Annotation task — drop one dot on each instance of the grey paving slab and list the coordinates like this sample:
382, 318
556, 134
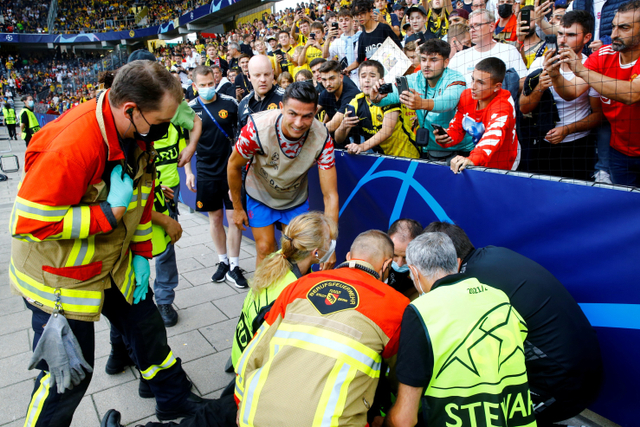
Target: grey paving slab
103, 344
85, 415
101, 381
202, 293
15, 343
15, 322
232, 305
199, 277
125, 399
195, 239
208, 373
220, 335
13, 369
196, 317
14, 401
188, 264
16, 423
190, 346
12, 303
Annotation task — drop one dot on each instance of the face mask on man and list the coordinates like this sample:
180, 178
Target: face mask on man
505, 10
30, 104
207, 93
398, 268
155, 132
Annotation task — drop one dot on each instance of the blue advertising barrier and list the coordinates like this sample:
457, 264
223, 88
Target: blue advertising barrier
587, 237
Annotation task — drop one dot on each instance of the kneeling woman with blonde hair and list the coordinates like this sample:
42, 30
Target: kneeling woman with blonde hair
308, 239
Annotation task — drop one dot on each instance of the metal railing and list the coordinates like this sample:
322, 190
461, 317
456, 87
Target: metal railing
53, 14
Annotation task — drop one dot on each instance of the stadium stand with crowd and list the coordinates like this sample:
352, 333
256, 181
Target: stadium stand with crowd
539, 87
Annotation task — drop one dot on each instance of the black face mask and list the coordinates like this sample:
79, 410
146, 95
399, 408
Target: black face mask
155, 133
465, 47
505, 10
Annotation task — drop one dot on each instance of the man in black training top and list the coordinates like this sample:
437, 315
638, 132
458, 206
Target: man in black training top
219, 115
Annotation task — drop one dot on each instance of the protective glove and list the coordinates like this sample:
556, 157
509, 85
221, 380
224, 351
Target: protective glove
52, 349
121, 189
77, 364
142, 272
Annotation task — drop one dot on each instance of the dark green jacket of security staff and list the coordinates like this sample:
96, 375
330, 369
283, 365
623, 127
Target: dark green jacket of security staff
477, 339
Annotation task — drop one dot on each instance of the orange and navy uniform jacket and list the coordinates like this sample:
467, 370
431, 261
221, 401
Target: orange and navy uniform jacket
60, 164
498, 147
316, 360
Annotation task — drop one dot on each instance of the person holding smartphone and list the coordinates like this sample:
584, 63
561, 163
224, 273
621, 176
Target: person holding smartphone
433, 93
486, 112
381, 127
345, 48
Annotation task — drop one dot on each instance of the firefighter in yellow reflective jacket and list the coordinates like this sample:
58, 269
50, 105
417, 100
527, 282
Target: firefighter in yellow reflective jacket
317, 358
81, 228
461, 347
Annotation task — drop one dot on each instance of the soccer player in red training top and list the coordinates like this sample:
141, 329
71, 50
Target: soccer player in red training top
487, 113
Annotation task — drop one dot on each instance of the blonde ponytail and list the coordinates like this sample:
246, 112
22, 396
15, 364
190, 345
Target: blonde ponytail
304, 233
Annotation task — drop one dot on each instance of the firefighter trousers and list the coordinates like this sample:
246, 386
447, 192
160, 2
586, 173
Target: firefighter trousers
143, 331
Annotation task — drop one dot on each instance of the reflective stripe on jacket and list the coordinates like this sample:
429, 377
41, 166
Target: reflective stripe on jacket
64, 247
316, 359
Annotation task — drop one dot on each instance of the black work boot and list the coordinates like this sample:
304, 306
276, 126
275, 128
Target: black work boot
118, 359
111, 419
169, 315
188, 407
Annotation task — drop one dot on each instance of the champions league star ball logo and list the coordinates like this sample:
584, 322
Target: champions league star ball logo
9, 38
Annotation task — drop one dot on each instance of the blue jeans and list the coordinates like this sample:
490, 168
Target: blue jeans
166, 267
625, 170
603, 138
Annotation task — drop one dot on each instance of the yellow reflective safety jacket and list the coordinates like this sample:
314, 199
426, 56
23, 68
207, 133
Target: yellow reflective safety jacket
479, 375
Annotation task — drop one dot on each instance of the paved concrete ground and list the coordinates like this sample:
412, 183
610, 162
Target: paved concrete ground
202, 338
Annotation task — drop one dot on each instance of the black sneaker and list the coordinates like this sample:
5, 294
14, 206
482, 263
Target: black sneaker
237, 277
223, 269
169, 315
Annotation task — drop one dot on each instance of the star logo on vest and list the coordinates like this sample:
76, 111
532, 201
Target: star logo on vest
223, 114
331, 296
272, 106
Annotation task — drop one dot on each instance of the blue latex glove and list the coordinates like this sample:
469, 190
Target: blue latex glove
142, 272
121, 190
473, 128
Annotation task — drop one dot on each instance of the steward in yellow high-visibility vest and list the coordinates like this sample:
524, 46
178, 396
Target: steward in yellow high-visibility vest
461, 347
9, 115
28, 122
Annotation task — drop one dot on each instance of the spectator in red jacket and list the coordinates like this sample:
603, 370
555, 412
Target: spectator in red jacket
487, 113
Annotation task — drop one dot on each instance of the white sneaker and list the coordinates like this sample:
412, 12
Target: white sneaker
603, 177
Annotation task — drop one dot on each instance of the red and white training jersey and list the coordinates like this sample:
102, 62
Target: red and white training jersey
498, 148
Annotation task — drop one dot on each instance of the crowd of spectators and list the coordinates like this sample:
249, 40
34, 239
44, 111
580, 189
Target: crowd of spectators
23, 16
552, 132
57, 81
